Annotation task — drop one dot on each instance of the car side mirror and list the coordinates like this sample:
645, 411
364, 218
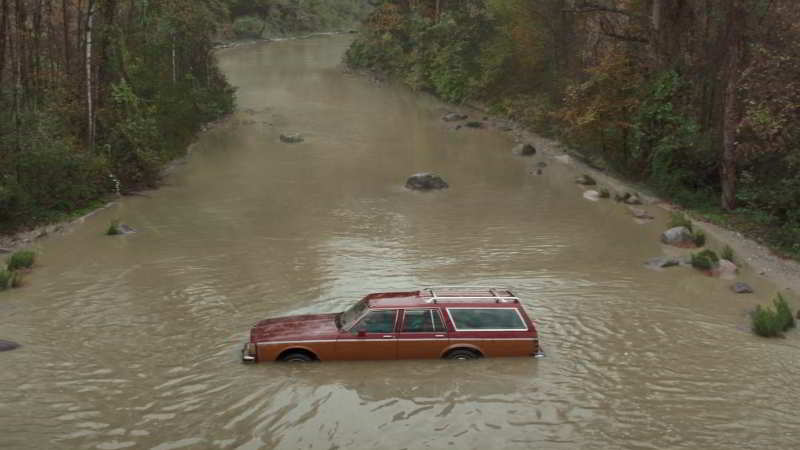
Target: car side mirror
362, 333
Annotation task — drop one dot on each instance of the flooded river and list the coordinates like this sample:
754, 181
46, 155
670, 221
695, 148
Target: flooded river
132, 341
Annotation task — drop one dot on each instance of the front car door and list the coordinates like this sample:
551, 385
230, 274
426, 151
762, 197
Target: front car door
422, 334
372, 337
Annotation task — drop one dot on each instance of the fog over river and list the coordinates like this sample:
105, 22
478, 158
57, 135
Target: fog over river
133, 341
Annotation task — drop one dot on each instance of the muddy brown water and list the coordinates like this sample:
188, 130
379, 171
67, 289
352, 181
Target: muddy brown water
132, 341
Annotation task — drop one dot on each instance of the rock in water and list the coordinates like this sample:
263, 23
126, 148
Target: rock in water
292, 138
640, 213
474, 124
126, 229
524, 150
585, 180
425, 182
741, 288
591, 195
662, 262
678, 236
7, 345
633, 199
454, 117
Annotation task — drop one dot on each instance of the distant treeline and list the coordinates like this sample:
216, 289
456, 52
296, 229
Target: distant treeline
272, 18
698, 98
96, 95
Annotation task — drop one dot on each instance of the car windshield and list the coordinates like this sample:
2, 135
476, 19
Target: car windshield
347, 318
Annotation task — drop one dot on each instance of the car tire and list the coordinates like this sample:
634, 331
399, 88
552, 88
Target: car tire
296, 357
462, 354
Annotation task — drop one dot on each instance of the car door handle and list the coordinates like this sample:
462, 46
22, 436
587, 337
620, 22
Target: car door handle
438, 335
387, 336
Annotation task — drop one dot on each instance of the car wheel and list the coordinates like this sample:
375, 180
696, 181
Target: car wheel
462, 354
297, 357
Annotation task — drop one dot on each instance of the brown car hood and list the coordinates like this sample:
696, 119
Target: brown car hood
291, 328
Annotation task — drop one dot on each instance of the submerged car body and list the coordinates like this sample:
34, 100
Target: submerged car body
445, 322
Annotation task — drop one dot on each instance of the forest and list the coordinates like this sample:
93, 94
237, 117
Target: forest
97, 95
699, 100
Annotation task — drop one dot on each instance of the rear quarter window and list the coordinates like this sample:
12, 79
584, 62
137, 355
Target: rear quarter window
486, 319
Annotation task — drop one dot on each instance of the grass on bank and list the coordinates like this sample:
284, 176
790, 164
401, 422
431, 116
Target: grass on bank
22, 259
769, 322
11, 275
113, 228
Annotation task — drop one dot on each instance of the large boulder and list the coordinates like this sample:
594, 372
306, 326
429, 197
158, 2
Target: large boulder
454, 117
7, 345
291, 138
524, 150
591, 195
425, 182
633, 199
678, 236
725, 269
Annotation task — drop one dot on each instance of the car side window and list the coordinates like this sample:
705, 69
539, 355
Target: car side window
486, 319
381, 321
422, 320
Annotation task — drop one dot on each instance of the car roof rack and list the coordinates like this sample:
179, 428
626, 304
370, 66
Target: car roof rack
457, 294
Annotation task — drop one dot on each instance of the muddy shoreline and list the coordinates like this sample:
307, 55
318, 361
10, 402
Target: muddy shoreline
784, 273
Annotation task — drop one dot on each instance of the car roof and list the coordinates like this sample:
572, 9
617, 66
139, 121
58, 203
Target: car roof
443, 295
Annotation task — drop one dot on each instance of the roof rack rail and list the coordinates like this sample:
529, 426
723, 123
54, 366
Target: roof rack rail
454, 294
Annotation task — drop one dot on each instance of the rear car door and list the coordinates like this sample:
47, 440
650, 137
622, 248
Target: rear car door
372, 337
422, 334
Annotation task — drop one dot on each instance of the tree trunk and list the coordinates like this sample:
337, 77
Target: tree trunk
65, 18
89, 100
731, 111
3, 33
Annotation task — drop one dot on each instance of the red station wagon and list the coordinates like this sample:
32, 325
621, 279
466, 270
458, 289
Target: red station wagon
442, 322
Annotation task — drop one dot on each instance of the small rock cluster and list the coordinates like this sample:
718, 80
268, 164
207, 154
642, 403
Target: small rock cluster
426, 181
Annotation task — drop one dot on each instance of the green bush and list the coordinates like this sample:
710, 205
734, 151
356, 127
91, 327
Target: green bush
6, 278
705, 260
699, 238
679, 219
113, 228
727, 253
248, 27
768, 322
22, 259
16, 279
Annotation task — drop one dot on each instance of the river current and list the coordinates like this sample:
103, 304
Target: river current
132, 341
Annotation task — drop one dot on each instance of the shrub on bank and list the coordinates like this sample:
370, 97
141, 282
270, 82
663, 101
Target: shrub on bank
22, 259
768, 322
678, 219
727, 253
705, 260
113, 228
699, 238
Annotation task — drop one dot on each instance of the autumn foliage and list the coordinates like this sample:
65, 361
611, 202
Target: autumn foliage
699, 99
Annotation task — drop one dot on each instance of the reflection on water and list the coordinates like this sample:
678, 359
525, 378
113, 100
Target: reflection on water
132, 342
